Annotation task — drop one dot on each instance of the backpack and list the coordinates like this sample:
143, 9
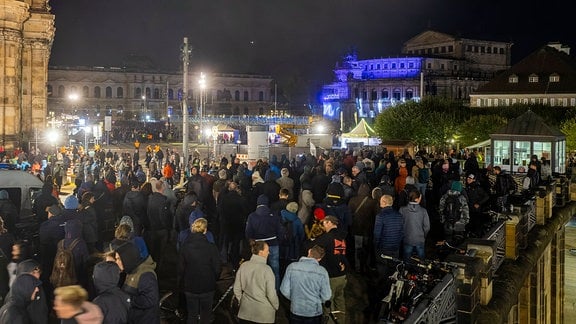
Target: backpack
452, 209
287, 233
511, 185
64, 269
423, 175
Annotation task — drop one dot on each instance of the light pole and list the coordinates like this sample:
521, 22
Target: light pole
86, 131
202, 83
144, 109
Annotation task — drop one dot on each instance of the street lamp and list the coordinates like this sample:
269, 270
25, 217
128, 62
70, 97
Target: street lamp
202, 83
86, 131
144, 110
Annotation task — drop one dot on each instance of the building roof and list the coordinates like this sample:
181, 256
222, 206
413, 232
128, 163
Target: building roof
528, 124
543, 63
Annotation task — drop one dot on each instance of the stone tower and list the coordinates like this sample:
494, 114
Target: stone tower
26, 35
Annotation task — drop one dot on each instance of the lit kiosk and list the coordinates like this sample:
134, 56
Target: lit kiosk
527, 135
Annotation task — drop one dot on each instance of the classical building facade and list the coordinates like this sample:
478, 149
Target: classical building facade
26, 36
91, 93
547, 76
432, 64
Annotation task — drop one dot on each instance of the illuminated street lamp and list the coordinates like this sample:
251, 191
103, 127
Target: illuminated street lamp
145, 111
86, 131
202, 83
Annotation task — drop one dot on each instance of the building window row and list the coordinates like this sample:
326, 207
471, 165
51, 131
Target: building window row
484, 49
495, 102
386, 66
148, 93
533, 78
384, 94
433, 50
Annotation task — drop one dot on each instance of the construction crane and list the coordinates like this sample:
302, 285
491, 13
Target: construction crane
287, 130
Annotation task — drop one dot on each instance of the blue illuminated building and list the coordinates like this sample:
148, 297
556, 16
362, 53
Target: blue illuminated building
431, 64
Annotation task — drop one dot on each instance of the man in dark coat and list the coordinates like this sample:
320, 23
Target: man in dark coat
233, 212
44, 200
320, 183
113, 302
160, 222
8, 211
135, 205
50, 233
199, 268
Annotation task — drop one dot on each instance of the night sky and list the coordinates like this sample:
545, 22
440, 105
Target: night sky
295, 41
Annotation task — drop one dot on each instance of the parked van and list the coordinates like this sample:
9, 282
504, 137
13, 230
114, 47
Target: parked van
22, 188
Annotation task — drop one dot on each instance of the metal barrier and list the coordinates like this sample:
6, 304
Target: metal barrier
440, 306
498, 234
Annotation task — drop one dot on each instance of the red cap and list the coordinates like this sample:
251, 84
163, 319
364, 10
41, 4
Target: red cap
319, 213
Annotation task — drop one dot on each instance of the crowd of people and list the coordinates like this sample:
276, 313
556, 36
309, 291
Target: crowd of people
292, 230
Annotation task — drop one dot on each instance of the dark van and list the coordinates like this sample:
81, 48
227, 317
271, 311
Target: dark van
22, 188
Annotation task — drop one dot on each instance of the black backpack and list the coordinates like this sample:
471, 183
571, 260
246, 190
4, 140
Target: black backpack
511, 185
452, 209
287, 233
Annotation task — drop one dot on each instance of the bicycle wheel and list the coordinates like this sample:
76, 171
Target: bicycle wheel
170, 311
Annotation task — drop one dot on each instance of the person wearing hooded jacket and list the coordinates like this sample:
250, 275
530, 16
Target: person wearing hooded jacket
113, 302
23, 292
43, 201
141, 284
73, 232
263, 225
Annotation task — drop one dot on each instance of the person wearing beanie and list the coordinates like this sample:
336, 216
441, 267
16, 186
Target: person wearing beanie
219, 184
141, 284
113, 302
24, 291
263, 225
71, 202
305, 203
294, 229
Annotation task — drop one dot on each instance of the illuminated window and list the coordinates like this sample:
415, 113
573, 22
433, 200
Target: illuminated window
393, 65
513, 78
533, 78
554, 77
